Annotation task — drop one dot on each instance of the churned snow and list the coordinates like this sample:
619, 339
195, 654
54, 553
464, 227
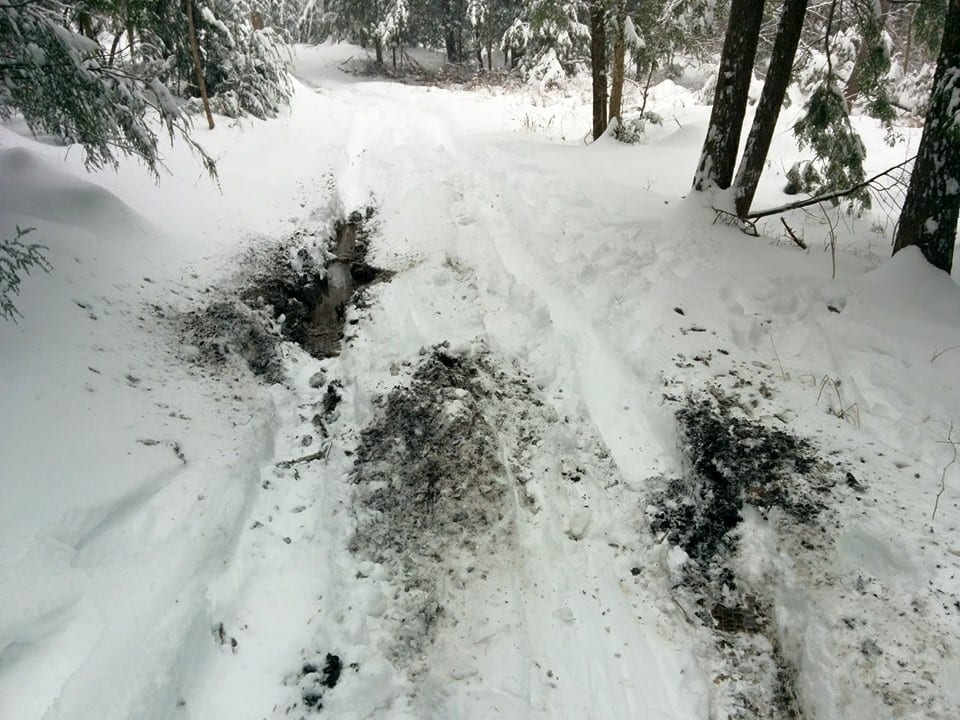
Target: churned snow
161, 557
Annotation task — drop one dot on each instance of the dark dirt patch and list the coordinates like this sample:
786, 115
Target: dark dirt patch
310, 303
228, 328
438, 473
429, 479
294, 291
315, 680
731, 461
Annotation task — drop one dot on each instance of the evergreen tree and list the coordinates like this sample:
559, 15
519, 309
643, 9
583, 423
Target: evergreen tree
62, 83
932, 205
243, 67
549, 38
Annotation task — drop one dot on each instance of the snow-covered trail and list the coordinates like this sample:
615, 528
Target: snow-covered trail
164, 563
578, 635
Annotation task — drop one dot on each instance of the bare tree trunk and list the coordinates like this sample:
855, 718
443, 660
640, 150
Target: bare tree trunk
908, 50
195, 50
478, 42
719, 154
932, 205
852, 89
768, 109
489, 47
378, 49
619, 50
128, 19
598, 62
113, 48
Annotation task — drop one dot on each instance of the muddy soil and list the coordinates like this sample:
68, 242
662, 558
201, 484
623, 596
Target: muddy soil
298, 290
347, 274
731, 462
430, 482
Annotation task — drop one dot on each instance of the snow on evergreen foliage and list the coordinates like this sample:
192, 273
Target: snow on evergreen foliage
244, 67
550, 39
62, 84
17, 259
838, 150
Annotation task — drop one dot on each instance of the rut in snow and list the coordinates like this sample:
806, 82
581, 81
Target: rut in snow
296, 290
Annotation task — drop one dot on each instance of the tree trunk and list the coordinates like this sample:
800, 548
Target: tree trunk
195, 50
489, 47
619, 50
598, 63
378, 48
128, 19
771, 100
113, 48
852, 88
719, 154
908, 50
932, 206
450, 35
477, 39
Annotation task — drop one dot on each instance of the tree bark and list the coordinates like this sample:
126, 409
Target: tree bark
598, 63
450, 34
932, 205
478, 41
852, 88
195, 50
908, 50
771, 100
719, 154
128, 20
619, 50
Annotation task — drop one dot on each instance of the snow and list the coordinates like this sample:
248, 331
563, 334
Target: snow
157, 562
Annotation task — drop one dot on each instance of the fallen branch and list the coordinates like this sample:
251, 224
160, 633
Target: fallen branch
835, 195
319, 455
793, 236
938, 353
943, 475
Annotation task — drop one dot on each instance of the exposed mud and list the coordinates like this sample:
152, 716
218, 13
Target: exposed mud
309, 302
430, 481
347, 273
730, 463
297, 290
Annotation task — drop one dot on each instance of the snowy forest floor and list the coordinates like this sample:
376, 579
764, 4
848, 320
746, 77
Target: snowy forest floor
582, 452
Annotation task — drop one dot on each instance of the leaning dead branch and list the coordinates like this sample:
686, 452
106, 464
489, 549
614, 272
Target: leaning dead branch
828, 197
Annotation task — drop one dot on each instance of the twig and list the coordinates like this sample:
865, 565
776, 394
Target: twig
938, 353
793, 236
783, 374
319, 455
745, 225
943, 475
677, 603
841, 412
833, 242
